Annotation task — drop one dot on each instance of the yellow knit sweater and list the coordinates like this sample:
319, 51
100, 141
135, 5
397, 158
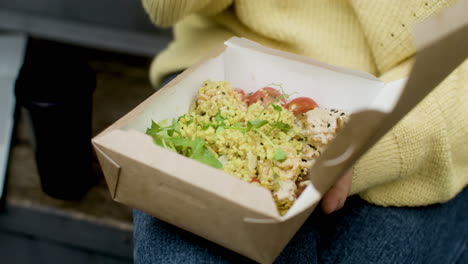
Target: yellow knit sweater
424, 158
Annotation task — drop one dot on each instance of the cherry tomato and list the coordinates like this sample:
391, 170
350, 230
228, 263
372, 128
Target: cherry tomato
265, 95
255, 180
244, 96
301, 105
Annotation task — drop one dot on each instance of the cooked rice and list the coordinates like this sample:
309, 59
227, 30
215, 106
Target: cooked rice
248, 155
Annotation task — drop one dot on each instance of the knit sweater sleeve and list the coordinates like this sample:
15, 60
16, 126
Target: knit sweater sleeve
422, 160
166, 13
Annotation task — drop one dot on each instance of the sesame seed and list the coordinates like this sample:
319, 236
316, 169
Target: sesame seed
312, 146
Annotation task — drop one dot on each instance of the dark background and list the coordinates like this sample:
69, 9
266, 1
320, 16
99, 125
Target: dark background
117, 40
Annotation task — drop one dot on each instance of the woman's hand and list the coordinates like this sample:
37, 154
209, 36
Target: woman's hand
335, 198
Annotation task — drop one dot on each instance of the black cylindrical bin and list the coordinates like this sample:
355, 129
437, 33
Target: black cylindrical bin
55, 86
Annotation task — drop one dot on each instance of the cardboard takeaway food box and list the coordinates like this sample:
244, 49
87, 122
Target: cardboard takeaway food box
233, 213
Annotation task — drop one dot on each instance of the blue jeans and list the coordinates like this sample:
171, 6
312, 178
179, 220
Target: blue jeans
358, 233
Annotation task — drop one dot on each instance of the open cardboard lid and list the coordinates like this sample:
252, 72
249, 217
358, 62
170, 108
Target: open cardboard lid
376, 107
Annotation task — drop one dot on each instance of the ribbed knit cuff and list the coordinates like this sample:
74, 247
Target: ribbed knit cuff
381, 164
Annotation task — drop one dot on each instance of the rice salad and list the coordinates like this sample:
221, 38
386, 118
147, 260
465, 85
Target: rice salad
262, 140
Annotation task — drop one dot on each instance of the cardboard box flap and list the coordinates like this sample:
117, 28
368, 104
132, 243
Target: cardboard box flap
345, 149
140, 147
245, 44
109, 167
450, 21
389, 96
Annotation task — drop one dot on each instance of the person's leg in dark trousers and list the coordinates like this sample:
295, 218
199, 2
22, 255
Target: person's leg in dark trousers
358, 233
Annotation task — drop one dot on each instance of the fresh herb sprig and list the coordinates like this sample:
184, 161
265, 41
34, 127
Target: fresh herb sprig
283, 95
273, 102
278, 124
165, 136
